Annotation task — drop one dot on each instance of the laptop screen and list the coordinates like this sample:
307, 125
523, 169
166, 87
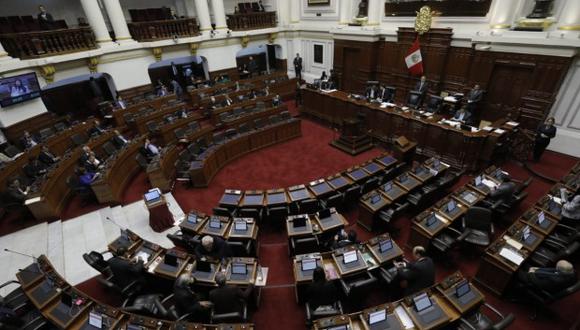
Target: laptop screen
239, 268
526, 232
378, 316
240, 225
375, 198
403, 177
96, 320
170, 259
308, 264
436, 162
451, 206
192, 218
152, 195
215, 223
462, 288
350, 256
431, 219
385, 245
324, 213
422, 302
388, 186
299, 222
478, 180
541, 218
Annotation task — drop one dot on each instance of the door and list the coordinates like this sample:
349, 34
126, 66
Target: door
507, 85
348, 81
272, 57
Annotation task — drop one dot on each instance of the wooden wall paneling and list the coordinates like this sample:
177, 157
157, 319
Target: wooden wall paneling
355, 63
33, 125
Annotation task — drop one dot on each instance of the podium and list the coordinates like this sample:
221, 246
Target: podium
160, 218
352, 138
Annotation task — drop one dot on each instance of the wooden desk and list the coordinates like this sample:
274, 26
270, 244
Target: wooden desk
277, 197
194, 222
160, 218
333, 222
369, 206
293, 231
407, 181
338, 182
350, 268
357, 174
251, 231
224, 224
253, 198
373, 168
320, 188
299, 193
231, 198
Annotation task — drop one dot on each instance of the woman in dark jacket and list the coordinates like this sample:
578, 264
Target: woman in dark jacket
545, 132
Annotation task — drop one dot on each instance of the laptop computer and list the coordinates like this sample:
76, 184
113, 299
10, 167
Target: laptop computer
215, 223
324, 213
152, 196
431, 220
385, 245
170, 259
375, 198
349, 257
240, 225
202, 266
425, 308
451, 207
541, 221
527, 236
308, 265
299, 222
192, 218
239, 271
387, 186
403, 177
96, 320
378, 320
463, 292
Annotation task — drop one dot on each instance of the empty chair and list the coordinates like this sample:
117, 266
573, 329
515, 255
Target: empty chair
202, 143
180, 133
231, 133
60, 126
357, 285
482, 321
308, 206
389, 95
334, 200
477, 226
250, 212
109, 148
224, 212
194, 126
259, 123
79, 139
244, 128
129, 118
97, 262
370, 185
238, 111
149, 305
218, 138
351, 195
152, 127
260, 105
274, 119
46, 133
277, 214
224, 116
434, 104
303, 245
414, 99
194, 150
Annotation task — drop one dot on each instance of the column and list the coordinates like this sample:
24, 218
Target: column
219, 14
295, 11
189, 8
345, 12
202, 11
283, 9
118, 22
503, 14
96, 21
570, 18
375, 12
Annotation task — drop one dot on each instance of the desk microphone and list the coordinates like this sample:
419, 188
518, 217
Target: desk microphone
116, 224
22, 254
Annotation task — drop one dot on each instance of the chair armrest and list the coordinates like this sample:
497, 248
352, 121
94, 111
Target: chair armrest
8, 283
493, 309
550, 240
467, 324
106, 282
308, 313
129, 288
184, 317
166, 299
563, 226
162, 310
455, 230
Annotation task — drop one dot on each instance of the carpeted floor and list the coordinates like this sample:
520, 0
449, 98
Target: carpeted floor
308, 158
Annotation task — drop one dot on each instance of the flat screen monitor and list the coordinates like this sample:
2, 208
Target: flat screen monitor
239, 268
403, 177
324, 213
299, 222
375, 198
414, 98
66, 299
431, 219
308, 264
18, 89
152, 196
377, 317
385, 245
241, 225
422, 302
192, 218
436, 163
541, 217
451, 205
387, 186
478, 180
170, 259
215, 223
202, 266
350, 256
462, 288
526, 232
96, 320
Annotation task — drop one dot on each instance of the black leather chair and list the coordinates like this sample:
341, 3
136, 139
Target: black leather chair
231, 133
322, 311
370, 184
148, 305
303, 245
18, 312
308, 206
477, 226
98, 263
335, 200
434, 104
194, 126
219, 138
242, 248
357, 285
86, 194
250, 212
142, 161
351, 195
541, 299
244, 128
109, 148
224, 212
482, 321
152, 127
232, 317
277, 214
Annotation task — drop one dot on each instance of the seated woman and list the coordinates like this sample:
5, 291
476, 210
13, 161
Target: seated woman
321, 292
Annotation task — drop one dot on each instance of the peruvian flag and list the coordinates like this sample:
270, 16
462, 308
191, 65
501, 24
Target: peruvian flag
413, 59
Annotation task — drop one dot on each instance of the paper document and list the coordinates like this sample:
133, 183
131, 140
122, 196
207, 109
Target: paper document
499, 131
511, 256
143, 255
32, 200
263, 279
450, 99
512, 123
404, 317
489, 183
515, 244
487, 128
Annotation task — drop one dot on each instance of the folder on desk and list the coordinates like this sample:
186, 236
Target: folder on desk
511, 256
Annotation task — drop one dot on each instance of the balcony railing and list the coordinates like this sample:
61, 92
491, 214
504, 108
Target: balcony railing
26, 45
252, 21
166, 29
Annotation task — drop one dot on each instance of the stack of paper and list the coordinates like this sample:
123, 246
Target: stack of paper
499, 131
404, 317
511, 256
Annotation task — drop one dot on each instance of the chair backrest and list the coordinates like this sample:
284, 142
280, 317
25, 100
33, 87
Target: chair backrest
142, 161
478, 218
60, 126
218, 137
109, 148
413, 100
434, 103
194, 126
278, 211
351, 194
334, 200
179, 132
305, 245
231, 132
46, 133
221, 211
193, 149
244, 128
79, 139
259, 123
285, 115
274, 119
308, 206
151, 126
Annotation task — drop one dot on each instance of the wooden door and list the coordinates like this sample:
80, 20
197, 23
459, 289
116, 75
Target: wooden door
507, 85
349, 69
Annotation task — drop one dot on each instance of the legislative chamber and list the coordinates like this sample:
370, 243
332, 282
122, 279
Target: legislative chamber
313, 164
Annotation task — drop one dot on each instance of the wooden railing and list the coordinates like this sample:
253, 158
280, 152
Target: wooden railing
45, 43
443, 7
166, 29
251, 21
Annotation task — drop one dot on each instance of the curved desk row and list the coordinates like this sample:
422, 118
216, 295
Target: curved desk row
155, 103
445, 307
462, 149
49, 293
213, 159
50, 199
246, 103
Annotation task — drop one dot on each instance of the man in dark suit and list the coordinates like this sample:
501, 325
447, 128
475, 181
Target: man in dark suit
422, 87
252, 66
463, 116
474, 97
149, 149
17, 191
45, 19
97, 129
320, 292
28, 141
119, 140
298, 66
343, 239
228, 298
47, 157
504, 191
419, 274
34, 168
126, 271
85, 155
549, 279
213, 247
188, 302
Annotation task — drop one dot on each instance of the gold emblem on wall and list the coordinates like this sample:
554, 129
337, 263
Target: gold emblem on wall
157, 53
193, 47
47, 72
423, 20
272, 37
245, 40
92, 63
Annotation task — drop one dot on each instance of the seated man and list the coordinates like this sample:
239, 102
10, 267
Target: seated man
549, 279
85, 154
17, 192
92, 164
34, 168
86, 178
276, 101
149, 149
422, 87
228, 298
119, 139
213, 247
343, 239
504, 191
187, 301
126, 271
97, 129
321, 292
463, 116
28, 141
419, 274
571, 210
47, 157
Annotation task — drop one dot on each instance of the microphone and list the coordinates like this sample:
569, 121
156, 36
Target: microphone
22, 254
116, 224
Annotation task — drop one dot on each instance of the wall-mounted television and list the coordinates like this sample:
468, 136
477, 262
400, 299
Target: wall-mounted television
18, 89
